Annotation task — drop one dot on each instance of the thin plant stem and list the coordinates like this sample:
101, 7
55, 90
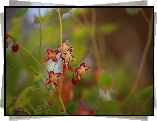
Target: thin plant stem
30, 55
42, 90
59, 95
33, 69
41, 40
28, 62
55, 64
143, 60
147, 108
26, 110
144, 15
93, 39
9, 68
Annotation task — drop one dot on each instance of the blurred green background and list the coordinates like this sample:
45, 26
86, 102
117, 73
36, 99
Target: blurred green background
113, 52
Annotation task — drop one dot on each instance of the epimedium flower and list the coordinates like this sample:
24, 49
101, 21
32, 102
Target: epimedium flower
67, 58
64, 47
81, 70
51, 55
53, 77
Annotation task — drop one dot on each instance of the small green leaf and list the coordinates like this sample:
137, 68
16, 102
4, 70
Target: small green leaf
132, 11
105, 80
40, 110
90, 97
108, 28
65, 10
9, 100
108, 108
24, 97
11, 110
55, 108
38, 77
146, 94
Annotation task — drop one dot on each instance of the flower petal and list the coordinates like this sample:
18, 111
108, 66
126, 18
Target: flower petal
48, 81
49, 51
78, 76
58, 74
82, 64
51, 73
46, 59
65, 41
86, 68
56, 51
56, 82
54, 59
76, 70
70, 50
69, 67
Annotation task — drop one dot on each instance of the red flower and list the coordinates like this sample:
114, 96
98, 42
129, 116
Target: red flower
51, 55
53, 77
81, 70
64, 47
67, 57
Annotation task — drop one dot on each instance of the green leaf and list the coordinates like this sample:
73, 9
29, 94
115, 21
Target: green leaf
146, 94
11, 109
108, 108
38, 77
24, 97
90, 97
40, 110
132, 11
55, 108
108, 28
9, 100
65, 10
20, 15
105, 80
71, 106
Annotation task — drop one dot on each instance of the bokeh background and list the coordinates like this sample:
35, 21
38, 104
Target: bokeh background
109, 40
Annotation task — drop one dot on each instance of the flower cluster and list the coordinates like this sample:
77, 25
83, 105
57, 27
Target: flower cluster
66, 55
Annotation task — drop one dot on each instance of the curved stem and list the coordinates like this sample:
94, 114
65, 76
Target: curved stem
26, 110
55, 64
42, 90
144, 15
147, 108
143, 59
33, 69
41, 39
9, 69
30, 55
94, 43
59, 95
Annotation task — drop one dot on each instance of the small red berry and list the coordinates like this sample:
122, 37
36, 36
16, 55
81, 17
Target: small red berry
15, 47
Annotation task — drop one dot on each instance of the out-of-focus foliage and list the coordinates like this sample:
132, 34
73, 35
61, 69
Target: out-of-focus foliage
108, 28
24, 97
97, 92
146, 94
132, 11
